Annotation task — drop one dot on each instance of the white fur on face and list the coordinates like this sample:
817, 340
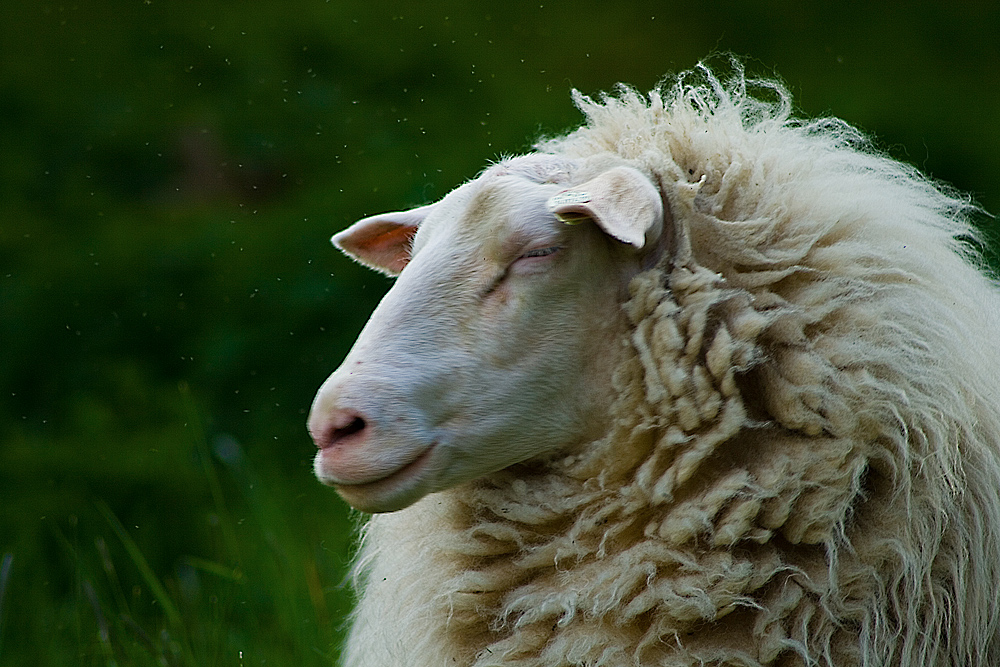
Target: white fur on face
494, 346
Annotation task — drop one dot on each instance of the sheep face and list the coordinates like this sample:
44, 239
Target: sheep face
497, 342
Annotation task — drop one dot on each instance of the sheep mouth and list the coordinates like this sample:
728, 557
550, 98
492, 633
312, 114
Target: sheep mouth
393, 491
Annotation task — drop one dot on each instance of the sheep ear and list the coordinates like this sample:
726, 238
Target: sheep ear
622, 201
382, 242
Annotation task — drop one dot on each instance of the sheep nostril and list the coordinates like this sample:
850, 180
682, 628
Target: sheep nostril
338, 426
355, 426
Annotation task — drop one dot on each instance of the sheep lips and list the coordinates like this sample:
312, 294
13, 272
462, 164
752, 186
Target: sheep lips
369, 478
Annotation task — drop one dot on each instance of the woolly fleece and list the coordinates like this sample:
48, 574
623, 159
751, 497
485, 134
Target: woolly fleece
803, 468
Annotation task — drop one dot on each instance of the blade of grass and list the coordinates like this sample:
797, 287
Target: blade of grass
159, 592
316, 593
70, 547
226, 522
156, 588
5, 570
219, 570
103, 634
112, 575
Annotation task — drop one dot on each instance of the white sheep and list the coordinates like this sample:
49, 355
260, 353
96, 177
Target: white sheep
696, 384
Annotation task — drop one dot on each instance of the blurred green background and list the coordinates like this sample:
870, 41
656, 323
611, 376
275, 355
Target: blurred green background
170, 174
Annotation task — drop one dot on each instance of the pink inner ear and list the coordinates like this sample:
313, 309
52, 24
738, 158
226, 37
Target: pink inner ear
381, 243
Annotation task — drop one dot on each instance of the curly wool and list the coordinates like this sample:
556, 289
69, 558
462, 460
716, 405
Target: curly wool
804, 466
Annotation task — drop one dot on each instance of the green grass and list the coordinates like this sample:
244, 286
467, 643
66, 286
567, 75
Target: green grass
267, 588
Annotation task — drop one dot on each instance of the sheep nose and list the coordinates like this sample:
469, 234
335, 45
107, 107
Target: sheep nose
337, 427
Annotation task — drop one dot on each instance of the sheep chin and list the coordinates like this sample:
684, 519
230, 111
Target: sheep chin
398, 489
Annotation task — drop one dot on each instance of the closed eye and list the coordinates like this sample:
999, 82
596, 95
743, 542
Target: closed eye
530, 264
541, 252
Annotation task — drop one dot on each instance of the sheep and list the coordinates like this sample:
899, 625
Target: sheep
697, 383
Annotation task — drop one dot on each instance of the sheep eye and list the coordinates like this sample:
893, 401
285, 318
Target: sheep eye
541, 252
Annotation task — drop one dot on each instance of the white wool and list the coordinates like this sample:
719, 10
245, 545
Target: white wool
804, 467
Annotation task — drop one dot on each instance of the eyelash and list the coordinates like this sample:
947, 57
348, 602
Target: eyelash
541, 252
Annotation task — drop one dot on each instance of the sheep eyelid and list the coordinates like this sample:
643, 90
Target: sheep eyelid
531, 254
541, 252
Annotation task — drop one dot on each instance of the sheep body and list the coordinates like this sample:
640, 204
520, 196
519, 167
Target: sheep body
803, 466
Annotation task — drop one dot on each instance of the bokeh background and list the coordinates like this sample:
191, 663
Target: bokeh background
170, 174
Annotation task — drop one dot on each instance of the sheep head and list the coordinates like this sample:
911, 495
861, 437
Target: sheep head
497, 342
